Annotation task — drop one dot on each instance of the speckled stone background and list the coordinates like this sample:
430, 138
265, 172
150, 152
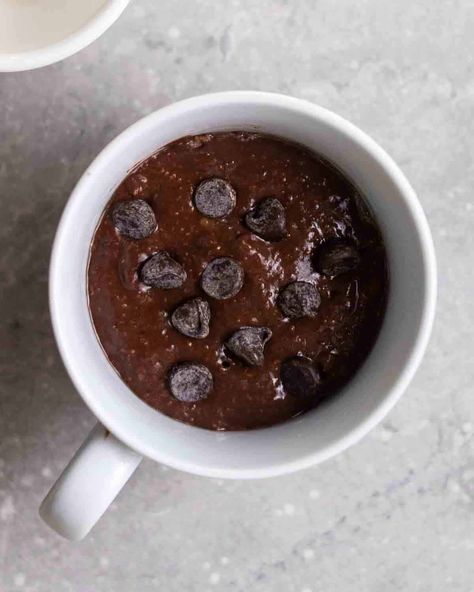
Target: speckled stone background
396, 512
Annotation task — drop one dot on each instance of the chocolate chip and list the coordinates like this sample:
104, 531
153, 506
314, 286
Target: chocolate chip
162, 271
192, 318
300, 377
215, 198
299, 299
190, 382
134, 218
222, 278
336, 256
267, 219
248, 344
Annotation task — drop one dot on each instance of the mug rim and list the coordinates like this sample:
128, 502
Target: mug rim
71, 44
416, 349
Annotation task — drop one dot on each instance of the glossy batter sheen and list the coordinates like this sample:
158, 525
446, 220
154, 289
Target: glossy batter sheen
132, 322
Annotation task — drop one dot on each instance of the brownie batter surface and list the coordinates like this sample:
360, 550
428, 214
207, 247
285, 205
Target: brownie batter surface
132, 321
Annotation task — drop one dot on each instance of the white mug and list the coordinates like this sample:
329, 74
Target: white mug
130, 429
37, 33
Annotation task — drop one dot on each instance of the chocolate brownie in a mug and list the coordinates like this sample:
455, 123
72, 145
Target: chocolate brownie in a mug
236, 280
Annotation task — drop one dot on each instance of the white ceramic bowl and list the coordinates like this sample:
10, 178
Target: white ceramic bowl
85, 34
298, 443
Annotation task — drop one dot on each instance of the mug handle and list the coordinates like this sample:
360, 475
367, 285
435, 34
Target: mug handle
89, 484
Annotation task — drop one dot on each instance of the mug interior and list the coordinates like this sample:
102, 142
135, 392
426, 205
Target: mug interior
337, 423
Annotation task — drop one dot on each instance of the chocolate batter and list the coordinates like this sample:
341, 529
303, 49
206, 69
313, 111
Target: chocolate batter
315, 207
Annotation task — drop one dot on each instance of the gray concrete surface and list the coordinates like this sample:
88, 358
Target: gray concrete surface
396, 512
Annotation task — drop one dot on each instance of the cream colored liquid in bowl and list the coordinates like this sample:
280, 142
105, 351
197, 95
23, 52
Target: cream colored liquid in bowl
27, 25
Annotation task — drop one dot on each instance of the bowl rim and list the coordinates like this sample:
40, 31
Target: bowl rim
60, 50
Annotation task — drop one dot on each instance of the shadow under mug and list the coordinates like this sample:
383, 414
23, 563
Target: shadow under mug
128, 428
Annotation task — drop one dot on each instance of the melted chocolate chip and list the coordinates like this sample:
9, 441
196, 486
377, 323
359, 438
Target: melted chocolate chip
299, 299
162, 271
336, 256
190, 382
134, 218
248, 344
192, 318
267, 219
215, 198
222, 278
300, 377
